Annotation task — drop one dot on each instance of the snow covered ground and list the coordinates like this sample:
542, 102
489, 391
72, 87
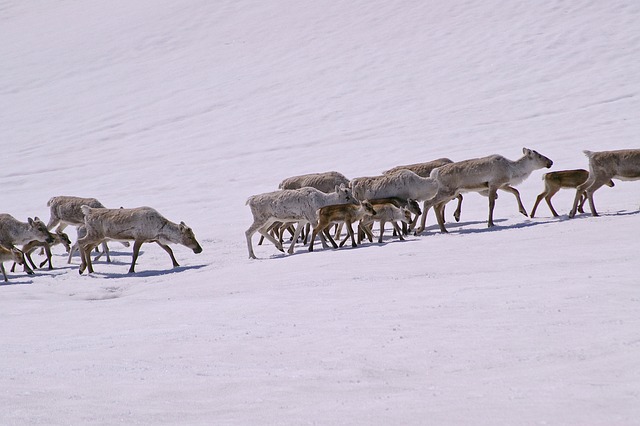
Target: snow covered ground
192, 106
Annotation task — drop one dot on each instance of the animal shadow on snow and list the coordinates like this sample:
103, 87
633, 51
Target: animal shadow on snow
14, 281
454, 226
142, 273
587, 215
304, 249
526, 224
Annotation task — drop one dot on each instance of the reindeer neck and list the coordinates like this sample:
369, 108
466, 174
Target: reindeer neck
522, 168
169, 231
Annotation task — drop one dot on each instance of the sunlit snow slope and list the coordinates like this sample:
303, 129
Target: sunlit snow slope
193, 106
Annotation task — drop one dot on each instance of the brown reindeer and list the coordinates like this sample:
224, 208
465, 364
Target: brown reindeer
553, 181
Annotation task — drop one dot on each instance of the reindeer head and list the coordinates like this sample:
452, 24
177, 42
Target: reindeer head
539, 159
40, 230
64, 240
345, 195
189, 238
413, 206
368, 208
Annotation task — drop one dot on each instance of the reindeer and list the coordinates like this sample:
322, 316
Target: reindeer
401, 184
410, 205
10, 254
290, 205
622, 164
483, 174
347, 213
140, 225
553, 181
14, 232
424, 170
385, 212
325, 182
65, 210
59, 237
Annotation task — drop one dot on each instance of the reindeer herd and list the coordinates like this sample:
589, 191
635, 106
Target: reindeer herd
317, 200
323, 199
95, 226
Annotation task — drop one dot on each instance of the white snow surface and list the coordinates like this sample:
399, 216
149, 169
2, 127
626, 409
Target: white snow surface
193, 106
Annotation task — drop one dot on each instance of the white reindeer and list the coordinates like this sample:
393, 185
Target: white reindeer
290, 205
325, 182
10, 254
483, 174
622, 164
402, 184
554, 181
14, 232
424, 170
140, 225
65, 210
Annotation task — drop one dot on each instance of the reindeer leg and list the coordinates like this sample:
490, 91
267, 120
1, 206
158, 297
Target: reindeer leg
85, 254
327, 234
535, 205
381, 231
439, 212
168, 250
492, 205
515, 192
136, 251
590, 190
548, 200
456, 214
397, 228
296, 235
579, 193
583, 200
47, 251
27, 256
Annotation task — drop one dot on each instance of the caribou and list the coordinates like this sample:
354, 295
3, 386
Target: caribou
622, 164
291, 205
554, 181
140, 225
486, 174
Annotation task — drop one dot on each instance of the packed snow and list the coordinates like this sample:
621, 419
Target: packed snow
191, 107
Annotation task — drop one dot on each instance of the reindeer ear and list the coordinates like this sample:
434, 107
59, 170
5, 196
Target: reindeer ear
526, 151
183, 226
30, 221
